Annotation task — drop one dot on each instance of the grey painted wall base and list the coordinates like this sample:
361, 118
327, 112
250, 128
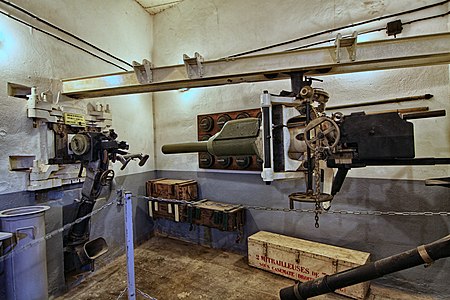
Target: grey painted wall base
201, 235
380, 235
108, 223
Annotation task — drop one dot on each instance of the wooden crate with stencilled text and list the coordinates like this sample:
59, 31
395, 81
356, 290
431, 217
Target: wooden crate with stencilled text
305, 260
176, 189
173, 189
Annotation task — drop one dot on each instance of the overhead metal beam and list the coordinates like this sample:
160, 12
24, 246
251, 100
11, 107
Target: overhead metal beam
407, 52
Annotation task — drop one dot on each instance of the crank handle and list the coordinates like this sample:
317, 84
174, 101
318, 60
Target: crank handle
125, 159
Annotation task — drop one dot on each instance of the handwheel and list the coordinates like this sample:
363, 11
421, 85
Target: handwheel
322, 132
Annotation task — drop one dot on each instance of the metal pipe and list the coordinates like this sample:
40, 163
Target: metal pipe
426, 114
400, 111
130, 246
424, 161
425, 254
30, 14
185, 147
387, 101
336, 29
61, 39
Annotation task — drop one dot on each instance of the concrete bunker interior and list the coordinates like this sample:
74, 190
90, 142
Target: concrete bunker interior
96, 94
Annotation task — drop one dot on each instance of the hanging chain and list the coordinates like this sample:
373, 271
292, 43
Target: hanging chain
318, 209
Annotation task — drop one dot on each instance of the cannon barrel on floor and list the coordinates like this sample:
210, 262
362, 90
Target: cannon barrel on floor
425, 254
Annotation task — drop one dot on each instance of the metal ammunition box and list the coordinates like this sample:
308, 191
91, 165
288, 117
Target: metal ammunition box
304, 260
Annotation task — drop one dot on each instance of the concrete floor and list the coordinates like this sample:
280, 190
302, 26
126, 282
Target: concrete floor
173, 269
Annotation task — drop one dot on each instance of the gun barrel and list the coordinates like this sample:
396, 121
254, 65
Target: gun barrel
237, 137
424, 254
424, 114
185, 147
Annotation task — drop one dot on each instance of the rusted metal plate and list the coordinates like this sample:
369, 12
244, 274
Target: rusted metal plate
304, 260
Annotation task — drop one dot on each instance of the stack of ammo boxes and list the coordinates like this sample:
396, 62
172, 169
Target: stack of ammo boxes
177, 200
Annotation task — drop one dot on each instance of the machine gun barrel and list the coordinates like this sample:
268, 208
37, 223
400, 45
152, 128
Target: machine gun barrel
425, 254
185, 147
424, 114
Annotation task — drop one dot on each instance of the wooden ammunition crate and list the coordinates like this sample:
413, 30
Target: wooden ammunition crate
164, 210
225, 217
304, 260
170, 189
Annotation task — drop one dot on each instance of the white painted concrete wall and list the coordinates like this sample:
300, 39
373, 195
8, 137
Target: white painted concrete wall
32, 58
217, 28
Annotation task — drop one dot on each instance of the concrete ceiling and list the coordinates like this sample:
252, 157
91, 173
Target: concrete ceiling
155, 6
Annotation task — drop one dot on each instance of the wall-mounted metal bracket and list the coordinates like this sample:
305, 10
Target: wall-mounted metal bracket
44, 176
347, 42
194, 65
39, 108
143, 71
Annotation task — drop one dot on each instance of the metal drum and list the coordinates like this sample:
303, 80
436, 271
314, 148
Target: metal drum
25, 265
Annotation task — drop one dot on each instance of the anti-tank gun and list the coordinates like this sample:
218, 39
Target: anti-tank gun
296, 138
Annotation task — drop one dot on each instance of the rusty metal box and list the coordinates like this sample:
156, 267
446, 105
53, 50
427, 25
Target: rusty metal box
225, 217
305, 260
172, 189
